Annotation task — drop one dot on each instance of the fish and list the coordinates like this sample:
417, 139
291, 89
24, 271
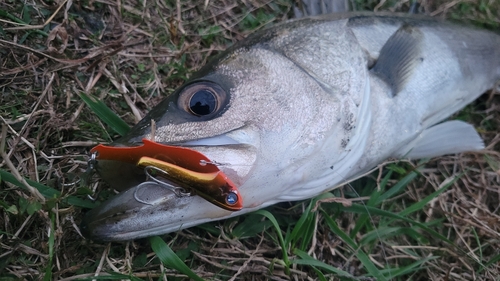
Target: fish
304, 107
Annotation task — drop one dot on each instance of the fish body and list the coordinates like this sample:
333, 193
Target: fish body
305, 106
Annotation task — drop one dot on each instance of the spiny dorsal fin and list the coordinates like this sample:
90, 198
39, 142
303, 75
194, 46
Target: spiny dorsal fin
399, 57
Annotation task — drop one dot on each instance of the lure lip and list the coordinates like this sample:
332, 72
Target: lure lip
181, 156
187, 167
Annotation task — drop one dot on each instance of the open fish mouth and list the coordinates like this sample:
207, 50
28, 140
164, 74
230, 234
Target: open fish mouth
167, 186
157, 211
179, 169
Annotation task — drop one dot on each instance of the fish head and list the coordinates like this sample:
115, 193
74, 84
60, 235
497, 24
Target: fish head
248, 114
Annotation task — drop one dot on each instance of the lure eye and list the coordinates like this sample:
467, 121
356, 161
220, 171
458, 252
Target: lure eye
232, 198
202, 99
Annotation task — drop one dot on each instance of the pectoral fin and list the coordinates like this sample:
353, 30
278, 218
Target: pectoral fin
445, 138
399, 57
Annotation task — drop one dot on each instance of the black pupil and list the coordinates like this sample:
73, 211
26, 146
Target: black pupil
202, 102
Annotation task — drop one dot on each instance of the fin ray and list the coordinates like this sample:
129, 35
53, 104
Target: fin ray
446, 138
399, 57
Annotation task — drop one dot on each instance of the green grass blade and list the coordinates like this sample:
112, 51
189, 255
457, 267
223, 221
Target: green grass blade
305, 259
250, 227
379, 233
363, 219
494, 260
278, 231
387, 232
356, 208
309, 231
20, 21
320, 274
420, 204
394, 273
46, 191
303, 229
399, 187
374, 197
170, 259
106, 114
478, 241
11, 17
111, 276
360, 254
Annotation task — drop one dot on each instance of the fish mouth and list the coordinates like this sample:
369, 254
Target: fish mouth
159, 210
149, 208
234, 152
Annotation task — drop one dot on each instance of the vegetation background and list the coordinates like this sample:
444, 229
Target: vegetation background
437, 219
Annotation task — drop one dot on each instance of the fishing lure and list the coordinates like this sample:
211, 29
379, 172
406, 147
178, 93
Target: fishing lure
188, 168
214, 187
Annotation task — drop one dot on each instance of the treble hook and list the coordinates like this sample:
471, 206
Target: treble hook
179, 191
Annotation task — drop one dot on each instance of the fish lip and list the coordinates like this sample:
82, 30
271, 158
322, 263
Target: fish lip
244, 135
105, 222
219, 140
123, 218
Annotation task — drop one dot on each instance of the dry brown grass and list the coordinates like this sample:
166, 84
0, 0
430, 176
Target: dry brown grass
131, 54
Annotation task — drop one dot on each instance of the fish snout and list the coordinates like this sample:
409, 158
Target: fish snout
130, 211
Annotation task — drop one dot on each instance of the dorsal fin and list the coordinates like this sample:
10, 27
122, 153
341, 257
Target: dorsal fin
306, 8
399, 57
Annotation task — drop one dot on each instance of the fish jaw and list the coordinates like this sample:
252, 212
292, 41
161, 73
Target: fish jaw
149, 208
185, 168
124, 218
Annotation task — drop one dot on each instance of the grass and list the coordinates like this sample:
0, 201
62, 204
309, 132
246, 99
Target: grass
430, 220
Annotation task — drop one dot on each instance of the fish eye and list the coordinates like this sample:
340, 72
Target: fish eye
202, 103
202, 98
